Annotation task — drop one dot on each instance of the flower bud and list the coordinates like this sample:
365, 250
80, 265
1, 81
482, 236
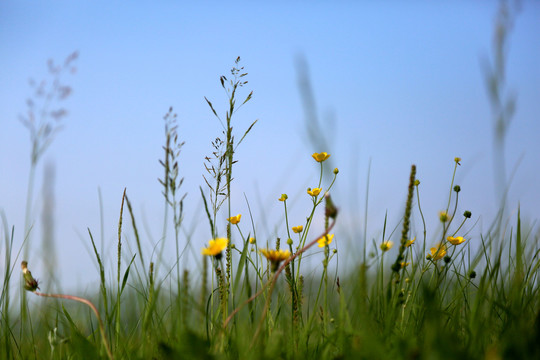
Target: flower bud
30, 284
330, 209
443, 216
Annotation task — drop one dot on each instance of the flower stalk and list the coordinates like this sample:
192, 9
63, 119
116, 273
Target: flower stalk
31, 284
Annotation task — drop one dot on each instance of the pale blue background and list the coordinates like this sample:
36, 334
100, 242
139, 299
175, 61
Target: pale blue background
399, 83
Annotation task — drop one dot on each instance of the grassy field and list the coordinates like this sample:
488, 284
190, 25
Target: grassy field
445, 301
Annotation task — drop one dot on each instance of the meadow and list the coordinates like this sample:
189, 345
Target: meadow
439, 297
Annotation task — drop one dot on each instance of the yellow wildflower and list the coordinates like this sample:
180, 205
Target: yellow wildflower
283, 197
404, 264
252, 240
314, 192
234, 219
456, 240
386, 245
457, 160
438, 252
215, 247
320, 157
443, 216
325, 240
410, 242
297, 229
275, 256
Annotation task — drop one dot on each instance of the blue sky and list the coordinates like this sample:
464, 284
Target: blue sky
394, 84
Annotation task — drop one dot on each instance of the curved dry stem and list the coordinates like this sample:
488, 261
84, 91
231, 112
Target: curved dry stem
94, 309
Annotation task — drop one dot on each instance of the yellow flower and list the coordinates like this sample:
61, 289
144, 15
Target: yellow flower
297, 229
275, 256
314, 192
386, 245
457, 160
283, 197
438, 252
325, 240
215, 247
456, 240
410, 242
404, 264
320, 157
252, 240
443, 216
234, 219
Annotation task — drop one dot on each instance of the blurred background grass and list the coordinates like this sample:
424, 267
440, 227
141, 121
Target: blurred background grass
378, 87
389, 85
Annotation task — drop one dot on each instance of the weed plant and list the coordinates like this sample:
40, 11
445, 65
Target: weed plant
445, 295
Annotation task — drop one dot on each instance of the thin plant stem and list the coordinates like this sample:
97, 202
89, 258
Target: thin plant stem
94, 309
275, 276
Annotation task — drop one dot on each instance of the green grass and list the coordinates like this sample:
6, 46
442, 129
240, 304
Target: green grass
452, 301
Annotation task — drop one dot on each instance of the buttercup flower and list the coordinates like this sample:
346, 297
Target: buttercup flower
410, 242
443, 216
215, 247
283, 197
386, 245
457, 160
275, 256
297, 229
320, 157
314, 192
438, 252
234, 219
252, 240
404, 264
325, 240
456, 240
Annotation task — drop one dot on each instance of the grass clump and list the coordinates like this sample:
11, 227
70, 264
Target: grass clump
443, 296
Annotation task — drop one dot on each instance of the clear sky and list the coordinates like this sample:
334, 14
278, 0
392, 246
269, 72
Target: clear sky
394, 84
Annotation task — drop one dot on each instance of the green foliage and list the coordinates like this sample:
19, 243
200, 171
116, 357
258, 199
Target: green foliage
453, 296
